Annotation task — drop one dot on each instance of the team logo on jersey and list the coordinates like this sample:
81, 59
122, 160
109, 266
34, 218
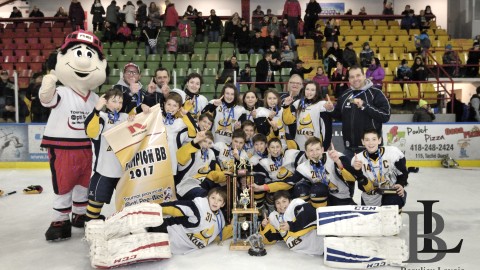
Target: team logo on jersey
202, 238
305, 126
204, 170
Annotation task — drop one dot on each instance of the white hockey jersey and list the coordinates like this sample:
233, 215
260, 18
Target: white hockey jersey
225, 156
66, 124
264, 112
224, 122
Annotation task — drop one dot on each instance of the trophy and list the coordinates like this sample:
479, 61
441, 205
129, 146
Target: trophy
385, 188
257, 245
245, 217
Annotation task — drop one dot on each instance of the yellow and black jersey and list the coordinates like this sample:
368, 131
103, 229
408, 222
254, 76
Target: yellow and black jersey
104, 160
191, 225
225, 117
326, 171
302, 236
224, 154
384, 168
308, 120
175, 129
195, 162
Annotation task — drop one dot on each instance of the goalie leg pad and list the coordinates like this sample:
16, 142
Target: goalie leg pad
351, 220
131, 220
130, 249
364, 252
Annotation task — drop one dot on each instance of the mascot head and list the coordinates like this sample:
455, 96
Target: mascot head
80, 63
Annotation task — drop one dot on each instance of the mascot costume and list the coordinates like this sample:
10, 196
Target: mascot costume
80, 67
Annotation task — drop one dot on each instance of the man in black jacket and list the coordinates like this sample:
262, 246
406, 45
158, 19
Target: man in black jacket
311, 16
264, 70
361, 107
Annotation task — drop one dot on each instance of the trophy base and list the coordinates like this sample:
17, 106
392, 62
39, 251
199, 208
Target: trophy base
257, 252
240, 245
387, 191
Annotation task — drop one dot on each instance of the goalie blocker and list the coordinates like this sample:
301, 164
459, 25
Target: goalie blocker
351, 220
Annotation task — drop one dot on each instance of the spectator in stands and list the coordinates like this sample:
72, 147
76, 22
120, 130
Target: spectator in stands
16, 13
97, 11
409, 21
423, 43
269, 12
366, 55
423, 23
362, 12
36, 13
473, 61
340, 76
283, 27
292, 11
256, 19
322, 80
317, 43
39, 114
76, 15
5, 83
349, 55
191, 11
171, 16
451, 61
274, 26
332, 56
376, 73
109, 33
264, 26
185, 30
474, 107
300, 26
200, 27
406, 11
214, 26
264, 71
149, 35
272, 40
120, 15
112, 15
245, 74
243, 39
419, 71
291, 40
276, 58
423, 113
428, 14
129, 12
287, 57
154, 14
331, 33
300, 70
141, 15
124, 33
229, 67
61, 13
257, 43
404, 72
232, 27
311, 17
172, 44
387, 8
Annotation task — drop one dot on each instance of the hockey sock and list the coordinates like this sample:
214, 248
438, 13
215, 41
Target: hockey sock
318, 202
94, 208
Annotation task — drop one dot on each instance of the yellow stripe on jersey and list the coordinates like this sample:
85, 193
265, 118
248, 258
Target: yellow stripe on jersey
227, 233
172, 211
185, 152
369, 186
93, 127
267, 234
217, 176
347, 176
287, 116
301, 232
276, 186
192, 131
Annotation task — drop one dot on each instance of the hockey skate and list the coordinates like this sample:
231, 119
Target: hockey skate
78, 221
131, 220
59, 230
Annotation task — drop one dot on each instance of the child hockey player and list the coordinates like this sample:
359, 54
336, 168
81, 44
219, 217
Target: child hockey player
381, 172
107, 170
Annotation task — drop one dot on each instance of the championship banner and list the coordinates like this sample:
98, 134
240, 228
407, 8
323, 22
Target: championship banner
142, 148
434, 141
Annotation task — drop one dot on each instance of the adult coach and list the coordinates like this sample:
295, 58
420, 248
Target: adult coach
361, 107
